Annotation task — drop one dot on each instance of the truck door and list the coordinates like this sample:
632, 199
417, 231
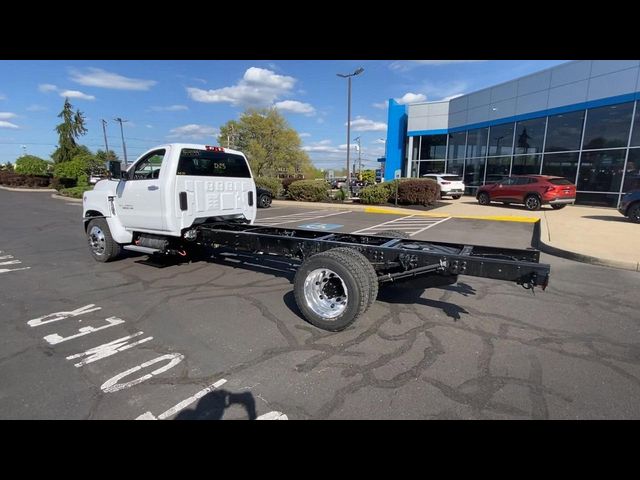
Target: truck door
213, 182
139, 202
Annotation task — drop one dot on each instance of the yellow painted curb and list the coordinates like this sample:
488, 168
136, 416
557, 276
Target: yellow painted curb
497, 218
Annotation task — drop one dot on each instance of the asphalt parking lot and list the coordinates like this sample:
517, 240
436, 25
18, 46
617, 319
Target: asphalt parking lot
223, 339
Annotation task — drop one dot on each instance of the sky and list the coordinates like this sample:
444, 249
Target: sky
187, 101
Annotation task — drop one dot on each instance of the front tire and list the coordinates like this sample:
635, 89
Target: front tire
102, 246
558, 207
332, 289
455, 197
634, 213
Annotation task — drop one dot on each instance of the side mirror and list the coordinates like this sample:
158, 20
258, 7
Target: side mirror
114, 169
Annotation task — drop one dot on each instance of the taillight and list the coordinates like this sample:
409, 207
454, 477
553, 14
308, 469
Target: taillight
446, 183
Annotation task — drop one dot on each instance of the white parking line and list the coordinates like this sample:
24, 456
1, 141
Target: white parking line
410, 224
297, 217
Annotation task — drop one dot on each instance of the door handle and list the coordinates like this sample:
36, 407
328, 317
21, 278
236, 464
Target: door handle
153, 187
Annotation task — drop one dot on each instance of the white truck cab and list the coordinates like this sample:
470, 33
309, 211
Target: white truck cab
170, 188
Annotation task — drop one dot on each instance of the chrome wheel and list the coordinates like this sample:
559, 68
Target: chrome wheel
325, 293
97, 241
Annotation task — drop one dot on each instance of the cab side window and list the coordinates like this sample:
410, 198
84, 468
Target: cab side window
149, 167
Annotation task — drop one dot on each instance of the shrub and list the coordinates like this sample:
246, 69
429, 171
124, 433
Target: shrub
286, 182
60, 183
78, 168
341, 194
31, 165
75, 192
274, 185
18, 180
377, 194
309, 190
418, 191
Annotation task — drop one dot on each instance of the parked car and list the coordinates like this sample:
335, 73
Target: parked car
450, 184
531, 190
264, 197
630, 206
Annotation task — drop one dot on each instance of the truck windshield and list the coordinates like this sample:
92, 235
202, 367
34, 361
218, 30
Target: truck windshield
204, 163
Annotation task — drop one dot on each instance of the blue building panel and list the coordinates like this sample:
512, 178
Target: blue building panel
396, 136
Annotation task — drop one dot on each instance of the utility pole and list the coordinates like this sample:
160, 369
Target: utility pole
104, 130
124, 147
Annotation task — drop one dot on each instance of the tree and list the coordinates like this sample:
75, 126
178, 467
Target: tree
72, 126
369, 176
107, 156
270, 144
31, 165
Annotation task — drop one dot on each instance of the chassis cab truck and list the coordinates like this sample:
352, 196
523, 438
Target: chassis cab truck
180, 199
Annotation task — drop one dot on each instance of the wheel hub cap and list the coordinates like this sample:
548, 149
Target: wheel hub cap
325, 293
96, 240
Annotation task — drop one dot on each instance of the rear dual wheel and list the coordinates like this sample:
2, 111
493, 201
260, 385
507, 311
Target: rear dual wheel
333, 288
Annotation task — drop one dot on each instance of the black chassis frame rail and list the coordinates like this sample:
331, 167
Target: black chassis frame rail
392, 258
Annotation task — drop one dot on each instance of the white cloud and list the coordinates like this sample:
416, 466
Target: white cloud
170, 108
4, 124
47, 87
411, 98
96, 77
444, 90
304, 134
3, 97
76, 94
295, 107
404, 65
379, 141
36, 108
381, 105
7, 115
193, 132
149, 126
258, 87
361, 124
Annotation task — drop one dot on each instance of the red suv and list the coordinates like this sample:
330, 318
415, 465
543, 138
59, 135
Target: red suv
531, 190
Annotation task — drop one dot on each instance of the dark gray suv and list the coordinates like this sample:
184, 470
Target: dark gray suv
630, 206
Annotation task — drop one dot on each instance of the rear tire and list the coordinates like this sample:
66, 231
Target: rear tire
634, 213
558, 207
483, 198
455, 197
102, 246
264, 201
369, 271
532, 202
332, 289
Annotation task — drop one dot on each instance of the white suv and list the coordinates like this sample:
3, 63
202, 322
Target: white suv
450, 184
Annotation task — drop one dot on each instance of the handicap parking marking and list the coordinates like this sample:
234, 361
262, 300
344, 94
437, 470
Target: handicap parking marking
321, 226
411, 224
298, 217
10, 260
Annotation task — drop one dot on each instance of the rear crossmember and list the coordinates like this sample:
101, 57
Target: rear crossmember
392, 258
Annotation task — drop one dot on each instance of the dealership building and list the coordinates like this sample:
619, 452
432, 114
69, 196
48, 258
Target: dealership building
579, 120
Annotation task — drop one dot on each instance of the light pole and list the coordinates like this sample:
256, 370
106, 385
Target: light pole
357, 139
124, 147
348, 77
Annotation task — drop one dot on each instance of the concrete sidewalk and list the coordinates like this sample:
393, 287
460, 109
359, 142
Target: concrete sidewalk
601, 236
